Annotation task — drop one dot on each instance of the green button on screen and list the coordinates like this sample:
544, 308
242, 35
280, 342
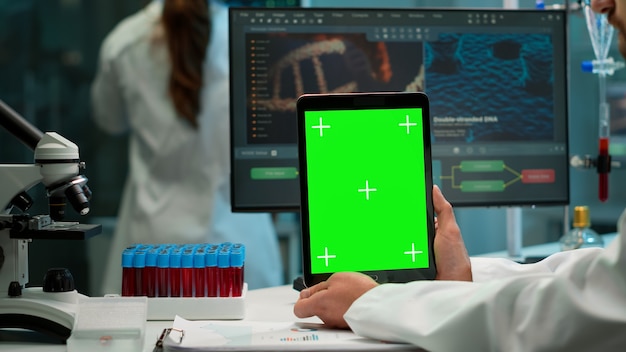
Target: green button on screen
273, 173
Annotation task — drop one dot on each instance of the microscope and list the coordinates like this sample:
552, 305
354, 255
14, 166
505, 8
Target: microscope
50, 309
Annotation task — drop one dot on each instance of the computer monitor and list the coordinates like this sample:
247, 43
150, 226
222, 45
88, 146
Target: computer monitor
496, 80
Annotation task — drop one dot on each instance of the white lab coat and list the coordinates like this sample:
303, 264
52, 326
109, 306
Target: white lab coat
571, 301
177, 189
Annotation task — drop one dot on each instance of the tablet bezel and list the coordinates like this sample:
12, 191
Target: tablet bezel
357, 101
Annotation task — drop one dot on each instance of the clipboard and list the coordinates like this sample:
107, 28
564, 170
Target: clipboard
213, 335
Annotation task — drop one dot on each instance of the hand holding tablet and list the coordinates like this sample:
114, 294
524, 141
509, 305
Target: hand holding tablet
366, 186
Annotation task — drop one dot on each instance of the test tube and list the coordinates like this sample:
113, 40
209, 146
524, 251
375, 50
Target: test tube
150, 274
162, 271
139, 263
236, 269
601, 34
223, 268
128, 272
242, 248
199, 275
187, 272
175, 272
211, 272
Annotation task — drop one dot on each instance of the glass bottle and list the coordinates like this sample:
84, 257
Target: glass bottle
581, 235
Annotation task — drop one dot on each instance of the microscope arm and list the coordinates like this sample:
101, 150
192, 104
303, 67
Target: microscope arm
19, 127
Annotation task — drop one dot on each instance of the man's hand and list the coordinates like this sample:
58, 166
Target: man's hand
451, 256
329, 300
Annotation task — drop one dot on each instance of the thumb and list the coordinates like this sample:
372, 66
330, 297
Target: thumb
443, 208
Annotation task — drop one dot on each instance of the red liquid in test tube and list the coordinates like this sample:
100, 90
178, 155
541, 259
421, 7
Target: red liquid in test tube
150, 272
139, 263
163, 271
128, 273
187, 272
236, 268
603, 177
241, 248
212, 282
224, 273
175, 272
199, 275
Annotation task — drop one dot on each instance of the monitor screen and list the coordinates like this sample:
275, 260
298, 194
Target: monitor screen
496, 80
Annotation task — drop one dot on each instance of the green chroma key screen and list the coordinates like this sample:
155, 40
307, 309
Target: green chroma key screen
366, 190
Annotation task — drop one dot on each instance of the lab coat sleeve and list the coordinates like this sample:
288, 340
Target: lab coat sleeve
580, 305
487, 269
107, 101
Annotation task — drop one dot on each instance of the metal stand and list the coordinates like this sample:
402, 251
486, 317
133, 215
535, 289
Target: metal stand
514, 232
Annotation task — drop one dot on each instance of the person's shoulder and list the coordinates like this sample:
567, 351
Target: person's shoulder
132, 29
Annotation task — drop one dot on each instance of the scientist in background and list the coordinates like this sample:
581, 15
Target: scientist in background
163, 76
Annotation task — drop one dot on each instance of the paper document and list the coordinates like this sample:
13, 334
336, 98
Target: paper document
238, 335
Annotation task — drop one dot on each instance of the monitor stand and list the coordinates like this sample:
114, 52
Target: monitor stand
514, 233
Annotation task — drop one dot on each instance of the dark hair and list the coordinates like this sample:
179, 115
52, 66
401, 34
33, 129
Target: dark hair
187, 29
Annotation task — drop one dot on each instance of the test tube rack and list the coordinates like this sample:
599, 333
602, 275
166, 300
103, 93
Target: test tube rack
198, 308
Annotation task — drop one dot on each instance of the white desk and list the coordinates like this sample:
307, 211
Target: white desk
273, 304
268, 304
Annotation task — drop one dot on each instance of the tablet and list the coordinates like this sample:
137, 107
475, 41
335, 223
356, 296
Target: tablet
366, 186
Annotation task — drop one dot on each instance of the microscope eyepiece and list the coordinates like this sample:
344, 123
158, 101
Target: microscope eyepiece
22, 201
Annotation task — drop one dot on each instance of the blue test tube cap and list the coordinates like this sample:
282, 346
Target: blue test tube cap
151, 256
168, 246
163, 258
132, 247
144, 247
127, 258
198, 258
239, 246
236, 259
176, 258
139, 259
223, 259
187, 258
210, 258
189, 245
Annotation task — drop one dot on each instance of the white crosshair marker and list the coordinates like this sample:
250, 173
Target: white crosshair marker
407, 124
413, 252
326, 256
321, 127
367, 190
